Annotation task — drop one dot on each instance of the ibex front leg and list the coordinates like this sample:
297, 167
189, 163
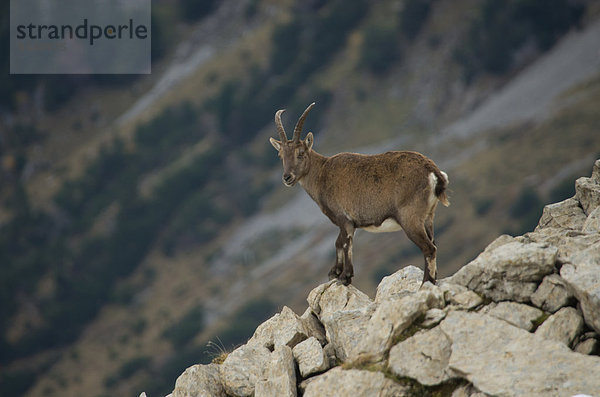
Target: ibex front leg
338, 267
348, 270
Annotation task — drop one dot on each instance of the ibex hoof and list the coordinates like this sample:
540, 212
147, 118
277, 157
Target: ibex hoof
345, 280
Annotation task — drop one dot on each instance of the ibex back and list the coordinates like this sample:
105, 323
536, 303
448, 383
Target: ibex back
379, 193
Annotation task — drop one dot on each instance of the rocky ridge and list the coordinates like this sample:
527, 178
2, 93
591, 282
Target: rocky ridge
521, 319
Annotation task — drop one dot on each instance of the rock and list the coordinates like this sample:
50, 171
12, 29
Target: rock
311, 357
405, 280
584, 281
199, 381
592, 223
330, 353
500, 359
508, 272
552, 294
563, 326
281, 375
587, 191
284, 328
517, 314
567, 214
393, 316
588, 346
596, 171
423, 357
313, 326
353, 382
243, 367
344, 311
459, 296
433, 317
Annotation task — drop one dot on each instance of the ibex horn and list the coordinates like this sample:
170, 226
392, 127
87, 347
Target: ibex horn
300, 123
280, 129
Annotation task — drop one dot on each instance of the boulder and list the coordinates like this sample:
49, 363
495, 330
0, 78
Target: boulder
552, 294
508, 272
587, 191
433, 317
459, 296
423, 357
284, 328
500, 359
313, 326
344, 311
592, 223
353, 382
588, 346
243, 367
199, 381
405, 280
281, 375
567, 214
583, 279
311, 357
517, 314
393, 316
563, 326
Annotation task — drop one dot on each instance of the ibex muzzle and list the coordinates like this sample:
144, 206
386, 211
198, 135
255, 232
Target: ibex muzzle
379, 193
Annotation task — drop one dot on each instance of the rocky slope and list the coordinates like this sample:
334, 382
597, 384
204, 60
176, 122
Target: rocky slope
521, 319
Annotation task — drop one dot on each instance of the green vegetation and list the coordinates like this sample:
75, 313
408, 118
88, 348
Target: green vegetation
186, 328
380, 48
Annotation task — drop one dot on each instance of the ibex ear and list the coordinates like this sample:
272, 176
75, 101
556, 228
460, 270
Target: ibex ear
309, 140
276, 144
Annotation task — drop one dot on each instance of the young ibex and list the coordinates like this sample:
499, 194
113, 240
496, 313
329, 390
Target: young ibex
379, 193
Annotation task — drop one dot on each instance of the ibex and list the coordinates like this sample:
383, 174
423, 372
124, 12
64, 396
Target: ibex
379, 193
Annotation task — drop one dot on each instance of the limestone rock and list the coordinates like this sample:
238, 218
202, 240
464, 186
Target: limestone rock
552, 294
284, 328
353, 382
395, 315
313, 326
587, 191
584, 281
563, 326
199, 381
311, 357
588, 346
344, 311
405, 280
433, 317
243, 367
281, 375
517, 314
508, 272
592, 223
459, 296
423, 357
500, 359
567, 214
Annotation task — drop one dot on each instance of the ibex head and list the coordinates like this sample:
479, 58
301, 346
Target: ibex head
294, 153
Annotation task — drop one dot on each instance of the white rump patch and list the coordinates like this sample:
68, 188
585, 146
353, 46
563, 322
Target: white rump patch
389, 225
432, 183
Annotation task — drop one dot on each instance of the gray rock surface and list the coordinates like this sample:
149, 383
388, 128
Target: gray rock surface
592, 223
563, 326
243, 367
353, 382
517, 314
281, 375
284, 328
508, 272
552, 294
313, 326
567, 214
587, 191
423, 357
405, 280
500, 359
584, 281
311, 357
199, 381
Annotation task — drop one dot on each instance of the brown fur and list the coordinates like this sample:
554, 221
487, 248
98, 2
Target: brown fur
357, 191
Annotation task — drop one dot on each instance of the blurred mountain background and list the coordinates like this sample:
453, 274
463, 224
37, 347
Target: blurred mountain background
143, 223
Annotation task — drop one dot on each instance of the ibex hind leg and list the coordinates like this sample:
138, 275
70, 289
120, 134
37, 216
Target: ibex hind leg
419, 235
338, 267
